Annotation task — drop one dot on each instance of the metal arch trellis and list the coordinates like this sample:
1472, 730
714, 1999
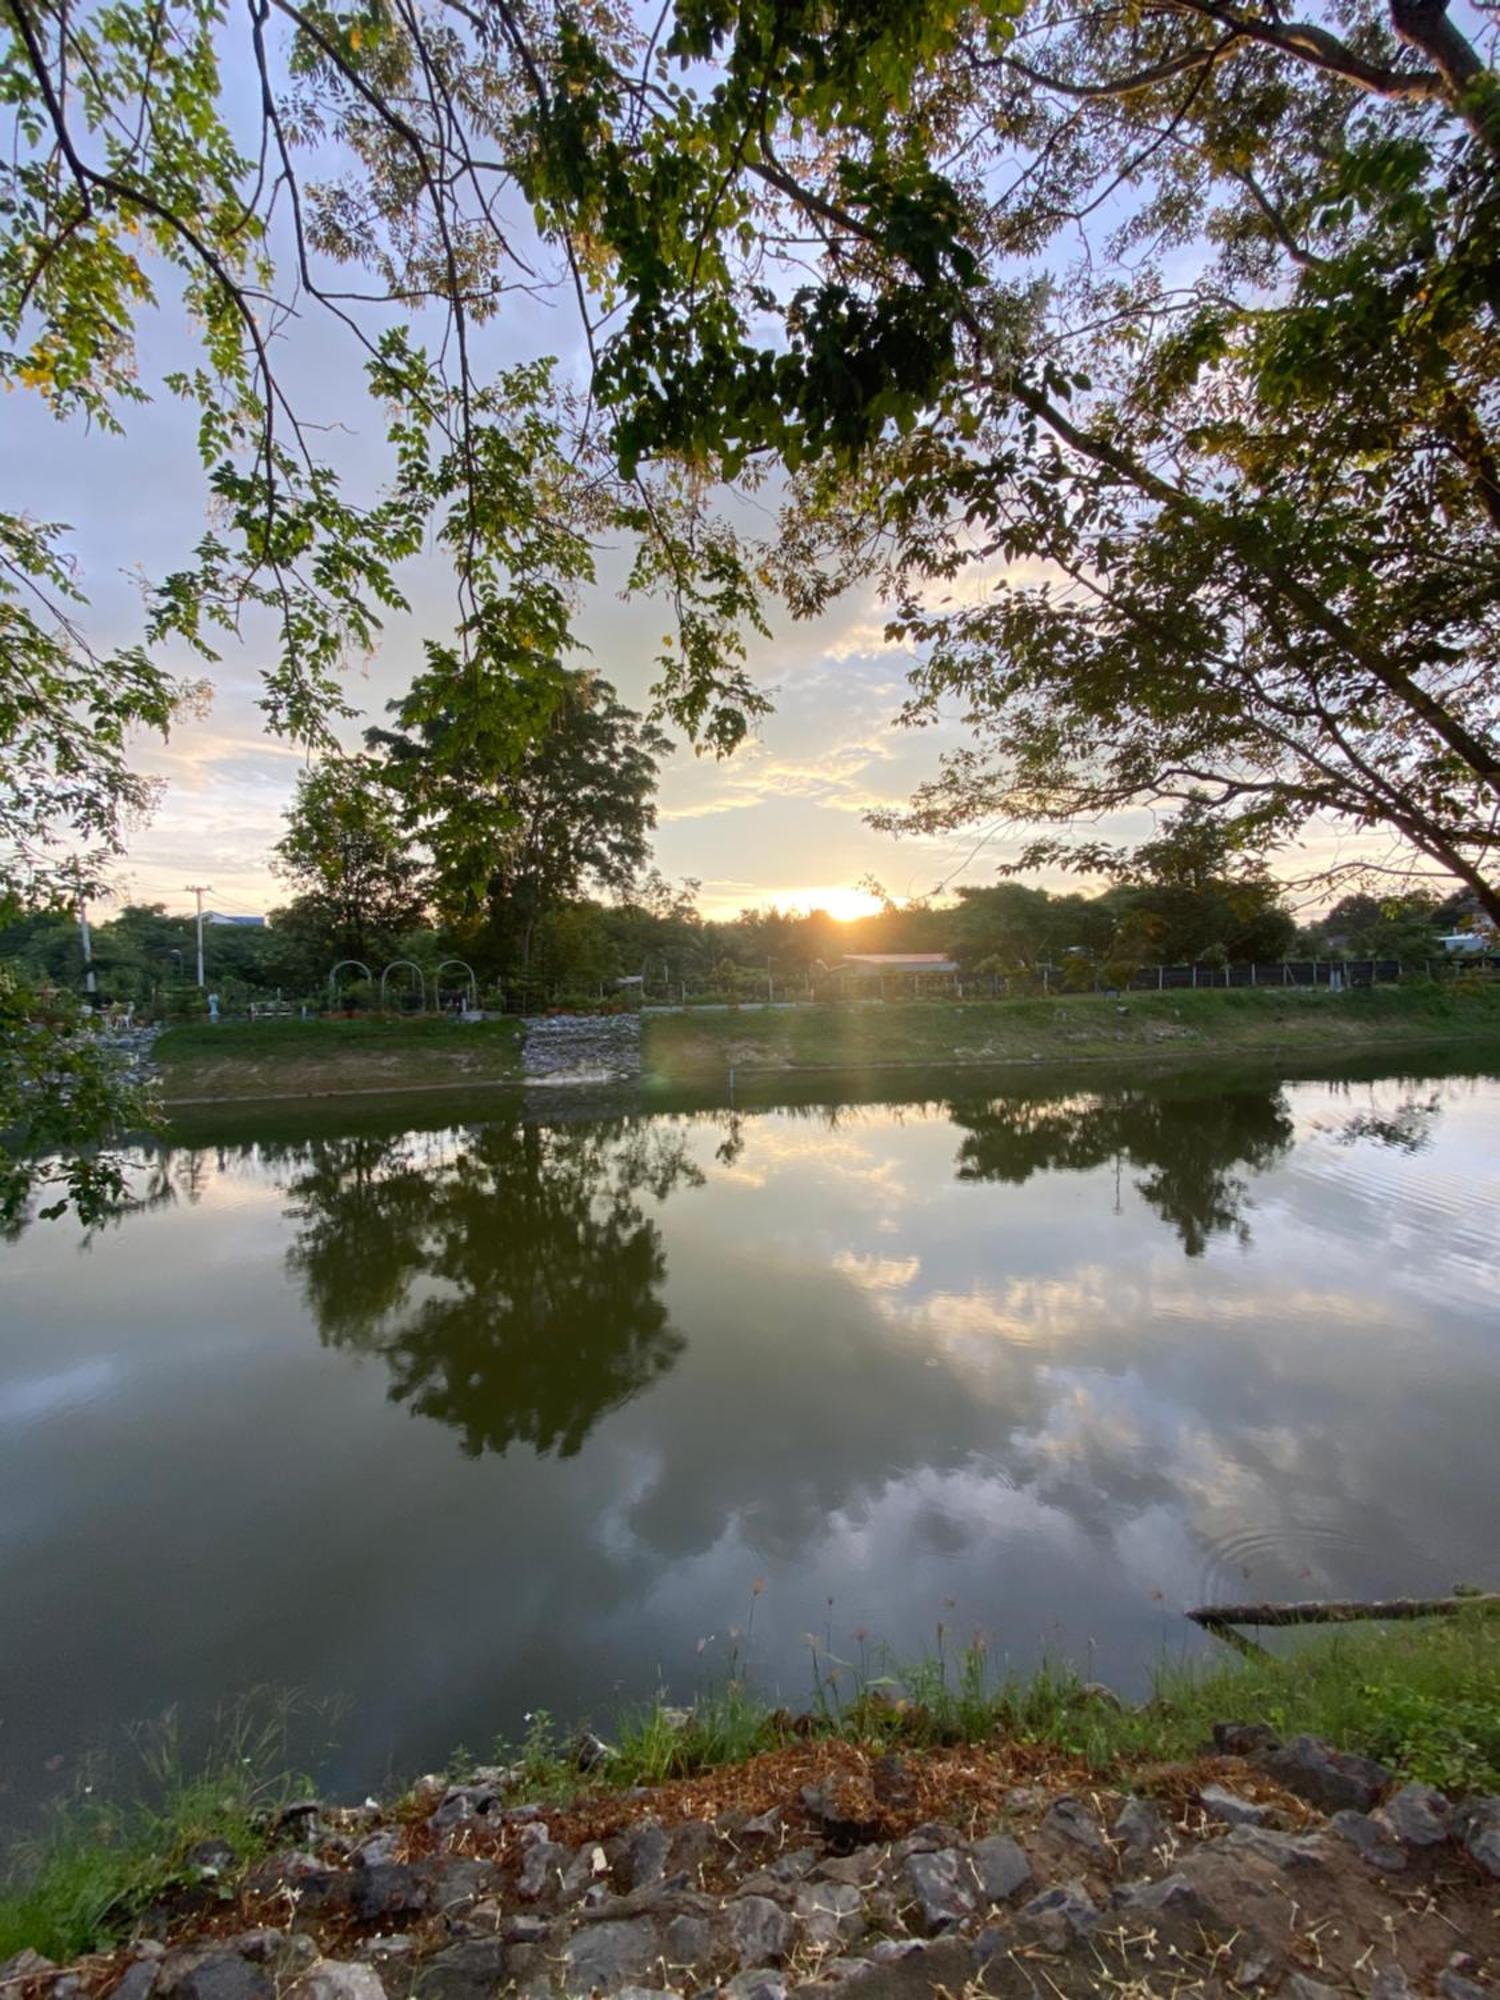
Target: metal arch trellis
333, 989
468, 969
421, 980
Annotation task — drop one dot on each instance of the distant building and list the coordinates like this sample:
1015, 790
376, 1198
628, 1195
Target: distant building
874, 963
1462, 943
240, 923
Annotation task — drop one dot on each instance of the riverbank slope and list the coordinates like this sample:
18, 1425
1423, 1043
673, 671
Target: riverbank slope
260, 1059
1168, 1028
904, 1848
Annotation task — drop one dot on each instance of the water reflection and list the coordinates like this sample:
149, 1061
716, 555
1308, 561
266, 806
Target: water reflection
1192, 1150
511, 1284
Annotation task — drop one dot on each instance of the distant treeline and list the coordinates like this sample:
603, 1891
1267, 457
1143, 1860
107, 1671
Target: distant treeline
582, 948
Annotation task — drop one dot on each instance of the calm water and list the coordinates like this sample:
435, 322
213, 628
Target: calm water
459, 1419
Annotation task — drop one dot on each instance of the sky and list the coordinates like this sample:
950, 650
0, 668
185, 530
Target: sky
782, 821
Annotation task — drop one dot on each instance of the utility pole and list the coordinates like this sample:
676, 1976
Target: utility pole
90, 984
200, 890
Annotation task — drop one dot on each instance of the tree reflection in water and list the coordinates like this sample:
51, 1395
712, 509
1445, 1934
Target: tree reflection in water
1187, 1147
510, 1280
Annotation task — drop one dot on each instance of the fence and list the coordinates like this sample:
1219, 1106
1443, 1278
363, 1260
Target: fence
792, 989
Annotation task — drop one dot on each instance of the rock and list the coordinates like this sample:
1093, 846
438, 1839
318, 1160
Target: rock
760, 1930
454, 1882
1419, 1815
759, 1983
542, 1870
892, 1784
765, 1826
224, 1975
1453, 1986
645, 1859
1229, 1808
586, 1868
1000, 1868
1326, 1777
139, 1982
601, 1958
1282, 1850
1072, 1819
379, 1848
1139, 1830
1244, 1739
297, 1818
1171, 1892
693, 1844
390, 1889
940, 1883
472, 1970
334, 1979
1098, 1692
857, 1869
909, 1969
25, 1964
1061, 1913
1300, 1987
587, 1751
1390, 1983
1478, 1826
1370, 1840
845, 1815
689, 1940
325, 1891
793, 1865
829, 1914
210, 1858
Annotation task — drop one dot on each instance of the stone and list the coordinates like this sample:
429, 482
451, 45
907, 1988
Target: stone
1453, 1986
1138, 1830
224, 1975
759, 1983
1418, 1815
454, 1882
1000, 1867
601, 1958
379, 1848
1390, 1983
24, 1964
1170, 1892
842, 1815
390, 1889
139, 1982
892, 1783
334, 1979
1282, 1850
325, 1891
1072, 1819
858, 1868
765, 1826
471, 1970
689, 1940
1370, 1841
829, 1914
759, 1930
1300, 1987
1478, 1827
1061, 1913
1229, 1808
909, 1969
1244, 1739
1332, 1779
693, 1844
586, 1867
210, 1858
644, 1861
940, 1882
542, 1869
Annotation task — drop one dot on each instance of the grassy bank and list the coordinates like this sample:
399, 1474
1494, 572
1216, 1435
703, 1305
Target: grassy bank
1167, 1027
1425, 1699
260, 1059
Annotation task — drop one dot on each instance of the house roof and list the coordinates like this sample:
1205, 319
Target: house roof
897, 961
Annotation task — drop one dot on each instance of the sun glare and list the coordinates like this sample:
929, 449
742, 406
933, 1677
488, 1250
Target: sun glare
844, 905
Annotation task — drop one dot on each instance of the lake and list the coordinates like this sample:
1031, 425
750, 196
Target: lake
456, 1413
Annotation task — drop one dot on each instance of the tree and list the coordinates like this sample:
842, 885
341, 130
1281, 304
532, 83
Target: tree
348, 851
520, 824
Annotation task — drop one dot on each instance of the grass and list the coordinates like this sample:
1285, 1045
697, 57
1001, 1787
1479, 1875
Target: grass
123, 1838
248, 1059
1168, 1027
1423, 1698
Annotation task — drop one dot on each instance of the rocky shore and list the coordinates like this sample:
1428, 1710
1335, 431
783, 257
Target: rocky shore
826, 1872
